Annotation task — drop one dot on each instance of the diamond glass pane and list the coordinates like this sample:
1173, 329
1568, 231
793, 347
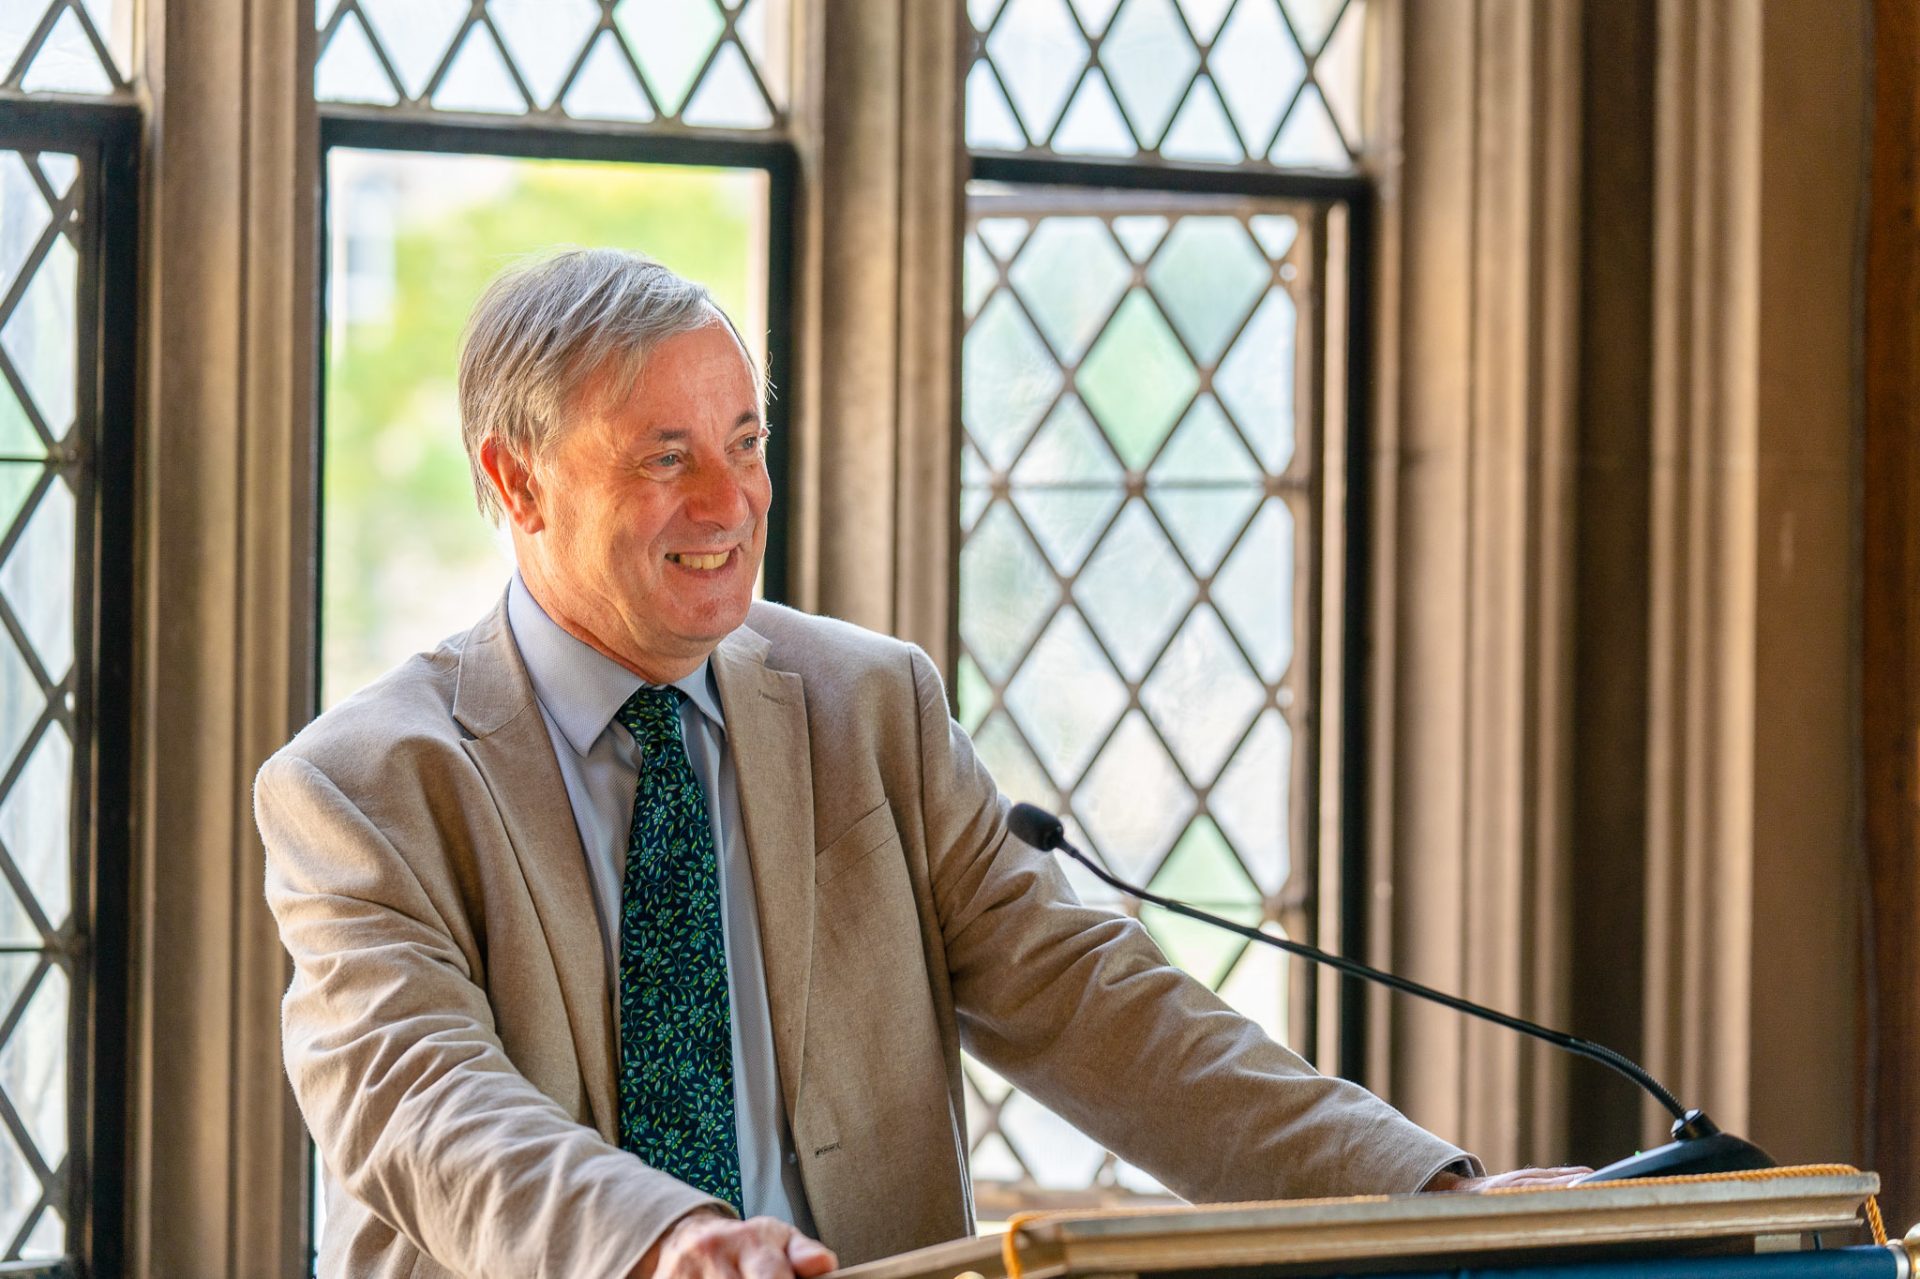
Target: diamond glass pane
1255, 383
1128, 392
35, 826
36, 580
73, 56
21, 701
672, 40
1037, 48
1066, 697
1137, 380
1069, 275
1015, 771
1007, 380
1202, 696
38, 337
1133, 802
1250, 801
1006, 591
692, 63
1150, 59
1134, 590
544, 38
20, 1187
33, 1068
1207, 277
1067, 485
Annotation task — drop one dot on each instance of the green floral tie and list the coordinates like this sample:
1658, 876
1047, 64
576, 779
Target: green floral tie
676, 1027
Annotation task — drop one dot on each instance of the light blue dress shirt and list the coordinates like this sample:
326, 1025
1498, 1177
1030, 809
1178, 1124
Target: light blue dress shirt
579, 690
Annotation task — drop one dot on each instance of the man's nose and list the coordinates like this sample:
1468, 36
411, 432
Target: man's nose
719, 498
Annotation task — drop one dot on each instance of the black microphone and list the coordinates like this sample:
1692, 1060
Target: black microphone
1698, 1145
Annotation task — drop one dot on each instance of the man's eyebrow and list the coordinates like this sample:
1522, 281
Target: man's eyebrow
749, 418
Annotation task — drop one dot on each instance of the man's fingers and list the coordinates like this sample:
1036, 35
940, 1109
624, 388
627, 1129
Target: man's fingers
760, 1261
808, 1258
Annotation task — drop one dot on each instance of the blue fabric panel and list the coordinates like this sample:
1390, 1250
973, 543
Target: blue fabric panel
1832, 1263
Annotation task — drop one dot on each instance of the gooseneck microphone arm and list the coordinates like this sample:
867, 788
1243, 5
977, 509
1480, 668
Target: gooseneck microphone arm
1041, 829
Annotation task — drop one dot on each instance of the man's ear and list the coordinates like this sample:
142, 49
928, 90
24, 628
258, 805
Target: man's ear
514, 484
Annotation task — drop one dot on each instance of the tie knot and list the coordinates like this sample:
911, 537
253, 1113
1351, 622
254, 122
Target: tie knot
652, 715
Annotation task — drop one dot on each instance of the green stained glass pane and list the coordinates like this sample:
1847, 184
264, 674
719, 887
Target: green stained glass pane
1137, 380
1202, 871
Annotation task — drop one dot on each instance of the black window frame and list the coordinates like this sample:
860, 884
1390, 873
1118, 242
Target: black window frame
103, 457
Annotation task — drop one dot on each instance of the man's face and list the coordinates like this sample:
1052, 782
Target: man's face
653, 509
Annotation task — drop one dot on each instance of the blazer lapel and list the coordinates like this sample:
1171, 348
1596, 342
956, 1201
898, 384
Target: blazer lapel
494, 700
766, 715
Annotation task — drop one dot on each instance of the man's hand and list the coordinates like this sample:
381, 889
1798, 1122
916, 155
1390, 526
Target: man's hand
707, 1245
1445, 1182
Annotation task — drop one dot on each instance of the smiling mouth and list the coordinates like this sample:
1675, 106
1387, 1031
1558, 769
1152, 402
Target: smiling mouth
687, 559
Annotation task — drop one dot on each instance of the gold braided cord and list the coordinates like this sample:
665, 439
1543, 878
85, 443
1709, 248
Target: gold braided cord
1010, 1242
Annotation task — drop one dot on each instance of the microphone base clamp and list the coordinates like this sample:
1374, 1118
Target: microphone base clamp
1698, 1147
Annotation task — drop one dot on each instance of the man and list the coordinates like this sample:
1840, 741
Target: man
640, 905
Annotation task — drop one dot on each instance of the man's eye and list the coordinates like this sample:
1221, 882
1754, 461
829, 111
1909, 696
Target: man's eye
667, 459
753, 443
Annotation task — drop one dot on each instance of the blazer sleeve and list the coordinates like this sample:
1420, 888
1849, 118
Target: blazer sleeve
1081, 1010
391, 1048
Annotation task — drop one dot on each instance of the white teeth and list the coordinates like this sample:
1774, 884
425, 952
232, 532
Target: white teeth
701, 561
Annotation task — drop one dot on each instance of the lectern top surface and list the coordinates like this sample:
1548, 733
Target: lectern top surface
1310, 1233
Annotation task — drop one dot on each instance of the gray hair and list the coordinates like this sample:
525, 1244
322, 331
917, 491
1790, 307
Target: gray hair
546, 328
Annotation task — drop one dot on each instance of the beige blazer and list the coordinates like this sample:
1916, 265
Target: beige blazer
449, 1027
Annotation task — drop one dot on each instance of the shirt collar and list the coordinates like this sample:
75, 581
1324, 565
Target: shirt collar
581, 687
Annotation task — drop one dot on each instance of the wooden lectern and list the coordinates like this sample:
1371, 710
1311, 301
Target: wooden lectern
1788, 1223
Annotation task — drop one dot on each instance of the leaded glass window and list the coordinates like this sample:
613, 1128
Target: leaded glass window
65, 349
1140, 490
695, 64
1217, 82
1153, 408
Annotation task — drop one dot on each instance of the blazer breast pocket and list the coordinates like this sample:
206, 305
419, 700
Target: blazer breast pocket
861, 840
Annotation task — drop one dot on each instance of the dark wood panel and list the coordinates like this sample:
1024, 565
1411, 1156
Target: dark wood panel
1890, 684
